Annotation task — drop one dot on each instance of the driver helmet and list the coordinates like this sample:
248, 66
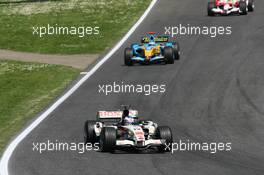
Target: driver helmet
152, 43
129, 120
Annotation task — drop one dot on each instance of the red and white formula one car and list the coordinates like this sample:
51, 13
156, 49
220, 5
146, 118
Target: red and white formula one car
116, 129
226, 7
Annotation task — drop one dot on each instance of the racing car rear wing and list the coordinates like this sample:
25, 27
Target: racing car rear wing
158, 39
113, 116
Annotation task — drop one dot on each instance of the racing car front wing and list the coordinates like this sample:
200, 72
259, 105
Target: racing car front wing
140, 59
226, 11
146, 143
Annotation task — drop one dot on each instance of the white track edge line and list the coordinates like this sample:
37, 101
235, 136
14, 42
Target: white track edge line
11, 147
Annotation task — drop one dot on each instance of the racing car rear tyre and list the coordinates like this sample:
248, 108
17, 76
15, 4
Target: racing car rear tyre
176, 50
168, 55
89, 134
243, 7
250, 5
108, 139
164, 132
210, 7
128, 55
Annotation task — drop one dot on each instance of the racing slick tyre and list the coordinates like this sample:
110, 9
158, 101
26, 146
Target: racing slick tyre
251, 5
108, 139
168, 55
210, 7
243, 7
176, 50
164, 132
128, 55
89, 134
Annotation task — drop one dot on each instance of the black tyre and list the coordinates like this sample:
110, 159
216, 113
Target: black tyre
89, 134
168, 55
251, 5
243, 7
108, 139
176, 50
127, 57
210, 7
164, 132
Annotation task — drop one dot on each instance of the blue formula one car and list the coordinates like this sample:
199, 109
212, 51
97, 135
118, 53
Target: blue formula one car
153, 49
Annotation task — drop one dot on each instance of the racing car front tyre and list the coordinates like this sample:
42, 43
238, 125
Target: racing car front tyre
89, 134
108, 139
210, 7
168, 55
164, 132
243, 7
128, 55
250, 5
176, 50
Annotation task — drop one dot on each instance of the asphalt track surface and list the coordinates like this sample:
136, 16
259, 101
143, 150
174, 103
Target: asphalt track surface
214, 94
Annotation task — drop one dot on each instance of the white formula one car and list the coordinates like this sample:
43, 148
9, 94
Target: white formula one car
116, 129
226, 7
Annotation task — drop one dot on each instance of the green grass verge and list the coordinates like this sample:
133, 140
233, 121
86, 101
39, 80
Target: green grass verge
25, 89
113, 18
